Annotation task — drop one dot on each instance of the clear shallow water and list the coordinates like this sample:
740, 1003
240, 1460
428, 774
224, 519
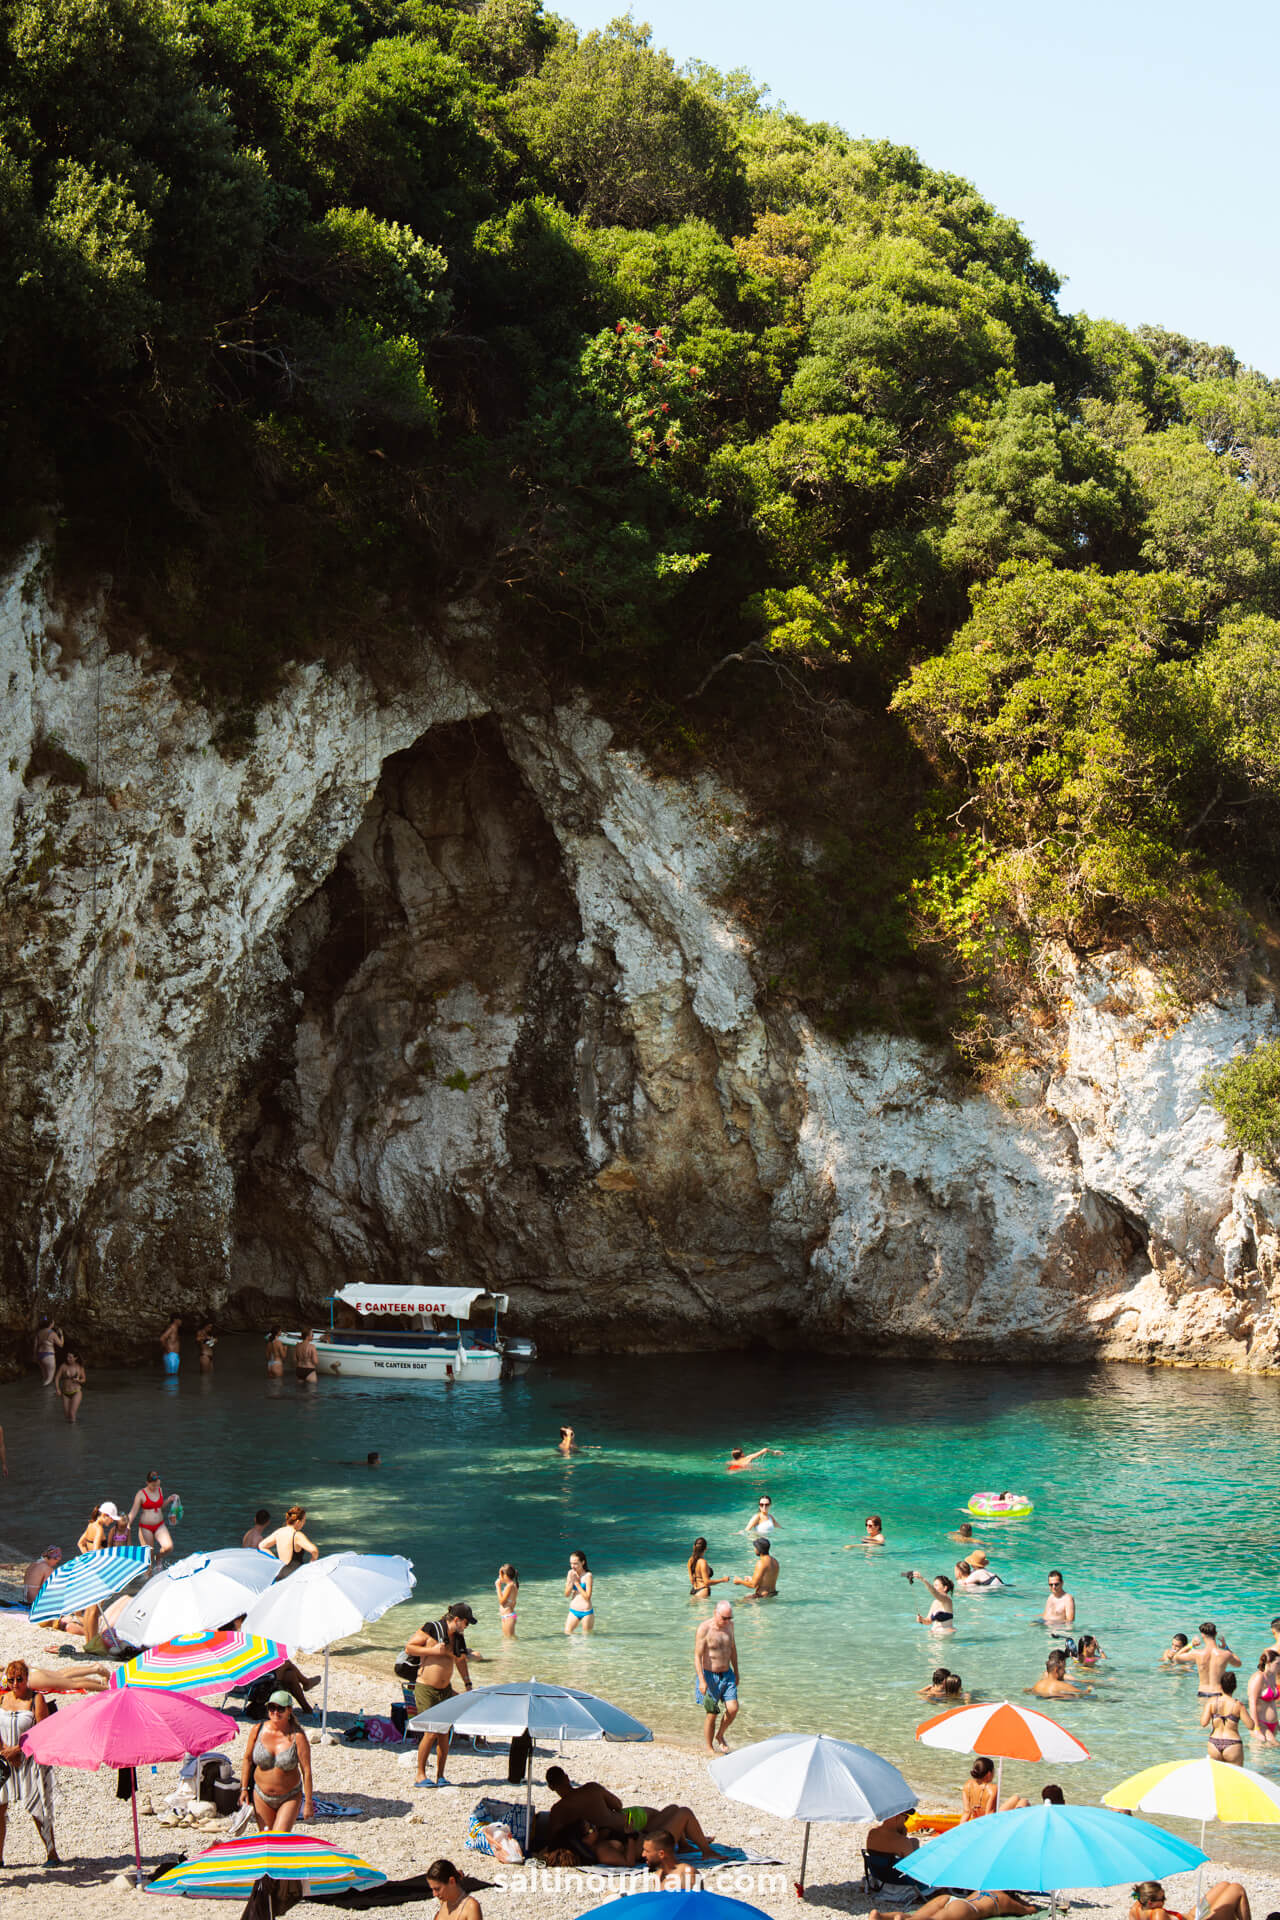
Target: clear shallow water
1156, 1492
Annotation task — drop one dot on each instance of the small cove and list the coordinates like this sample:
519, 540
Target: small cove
1155, 1491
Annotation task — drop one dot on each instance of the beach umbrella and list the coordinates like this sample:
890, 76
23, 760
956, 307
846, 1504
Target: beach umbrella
202, 1591
127, 1727
1200, 1790
684, 1903
202, 1663
329, 1599
808, 1776
1003, 1731
537, 1708
229, 1869
87, 1579
1039, 1849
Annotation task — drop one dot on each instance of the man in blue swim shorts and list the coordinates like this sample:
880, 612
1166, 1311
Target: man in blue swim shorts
716, 1674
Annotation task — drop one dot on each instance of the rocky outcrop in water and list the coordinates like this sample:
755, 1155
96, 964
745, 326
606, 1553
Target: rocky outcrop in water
434, 982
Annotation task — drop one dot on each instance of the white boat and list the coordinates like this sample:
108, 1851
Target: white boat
424, 1350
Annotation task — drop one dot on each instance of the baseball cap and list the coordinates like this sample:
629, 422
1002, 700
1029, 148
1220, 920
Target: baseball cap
109, 1508
461, 1611
280, 1698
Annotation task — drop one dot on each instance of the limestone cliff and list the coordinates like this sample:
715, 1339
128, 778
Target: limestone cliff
430, 982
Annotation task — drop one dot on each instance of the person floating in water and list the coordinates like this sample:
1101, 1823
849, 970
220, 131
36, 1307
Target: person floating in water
566, 1443
738, 1459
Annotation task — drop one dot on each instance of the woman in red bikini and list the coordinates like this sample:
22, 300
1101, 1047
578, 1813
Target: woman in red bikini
151, 1509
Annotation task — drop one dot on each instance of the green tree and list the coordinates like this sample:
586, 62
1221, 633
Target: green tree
1199, 520
1246, 1093
627, 139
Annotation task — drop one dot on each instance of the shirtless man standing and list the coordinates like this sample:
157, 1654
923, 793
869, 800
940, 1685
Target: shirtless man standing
764, 1575
1060, 1607
716, 1675
439, 1648
1212, 1659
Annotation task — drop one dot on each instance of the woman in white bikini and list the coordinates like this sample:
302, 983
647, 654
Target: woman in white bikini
507, 1588
151, 1510
762, 1520
579, 1585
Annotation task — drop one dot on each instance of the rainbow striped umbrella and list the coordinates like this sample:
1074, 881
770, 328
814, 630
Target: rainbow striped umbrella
202, 1662
228, 1870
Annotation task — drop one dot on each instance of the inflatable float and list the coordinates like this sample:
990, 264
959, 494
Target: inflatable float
1000, 1506
932, 1822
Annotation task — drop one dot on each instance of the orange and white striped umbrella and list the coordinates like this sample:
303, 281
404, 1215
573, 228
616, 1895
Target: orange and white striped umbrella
1002, 1730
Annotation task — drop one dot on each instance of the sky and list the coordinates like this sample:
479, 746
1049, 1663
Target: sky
1135, 144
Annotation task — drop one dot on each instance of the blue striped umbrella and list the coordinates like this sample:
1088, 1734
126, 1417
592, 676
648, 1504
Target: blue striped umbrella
88, 1578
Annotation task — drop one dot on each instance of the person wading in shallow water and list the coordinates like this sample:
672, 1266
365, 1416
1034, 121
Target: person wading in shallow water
171, 1344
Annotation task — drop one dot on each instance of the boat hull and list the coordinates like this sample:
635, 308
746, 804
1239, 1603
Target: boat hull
357, 1360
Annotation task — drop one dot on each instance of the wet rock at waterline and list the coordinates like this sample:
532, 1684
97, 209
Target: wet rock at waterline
427, 983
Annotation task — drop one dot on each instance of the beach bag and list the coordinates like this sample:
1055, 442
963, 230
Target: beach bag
406, 1669
476, 1839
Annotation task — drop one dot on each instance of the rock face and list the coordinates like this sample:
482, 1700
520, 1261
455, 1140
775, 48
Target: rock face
432, 985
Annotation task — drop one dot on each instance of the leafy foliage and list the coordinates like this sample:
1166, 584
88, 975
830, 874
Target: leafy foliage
318, 307
1246, 1093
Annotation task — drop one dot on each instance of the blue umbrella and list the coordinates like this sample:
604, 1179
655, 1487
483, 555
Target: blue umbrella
685, 1903
1038, 1849
88, 1578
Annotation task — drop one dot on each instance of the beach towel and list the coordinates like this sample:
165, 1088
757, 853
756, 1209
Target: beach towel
509, 1813
395, 1893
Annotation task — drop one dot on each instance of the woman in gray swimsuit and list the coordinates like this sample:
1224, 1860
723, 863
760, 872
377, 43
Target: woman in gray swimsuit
276, 1776
1223, 1715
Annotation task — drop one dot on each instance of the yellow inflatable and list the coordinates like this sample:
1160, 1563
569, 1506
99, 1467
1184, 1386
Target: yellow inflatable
932, 1822
1000, 1506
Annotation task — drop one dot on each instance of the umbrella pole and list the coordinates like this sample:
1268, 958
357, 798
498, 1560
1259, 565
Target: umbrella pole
804, 1859
999, 1779
137, 1844
324, 1705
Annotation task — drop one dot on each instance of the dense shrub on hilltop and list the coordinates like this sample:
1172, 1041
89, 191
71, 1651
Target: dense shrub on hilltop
317, 308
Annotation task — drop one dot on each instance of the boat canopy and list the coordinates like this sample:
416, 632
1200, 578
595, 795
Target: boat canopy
456, 1301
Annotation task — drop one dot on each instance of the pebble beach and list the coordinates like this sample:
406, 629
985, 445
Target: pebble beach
401, 1831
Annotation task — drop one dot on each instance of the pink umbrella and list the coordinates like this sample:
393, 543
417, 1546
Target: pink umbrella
127, 1727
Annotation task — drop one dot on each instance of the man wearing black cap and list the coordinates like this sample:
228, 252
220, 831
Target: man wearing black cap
439, 1647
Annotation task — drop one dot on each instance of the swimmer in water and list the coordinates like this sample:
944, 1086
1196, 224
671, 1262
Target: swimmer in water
1088, 1652
963, 1535
1212, 1657
976, 1577
934, 1690
1262, 1699
566, 1442
763, 1581
738, 1459
872, 1534
1173, 1649
1224, 1716
701, 1572
1053, 1683
507, 1588
762, 1520
1060, 1607
941, 1616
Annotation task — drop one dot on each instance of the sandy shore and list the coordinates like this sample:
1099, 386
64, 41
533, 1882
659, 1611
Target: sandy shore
401, 1831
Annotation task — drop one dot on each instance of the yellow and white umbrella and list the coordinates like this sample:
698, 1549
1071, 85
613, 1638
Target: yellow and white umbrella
1200, 1790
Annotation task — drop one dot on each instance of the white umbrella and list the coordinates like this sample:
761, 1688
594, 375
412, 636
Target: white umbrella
809, 1776
194, 1595
537, 1708
328, 1600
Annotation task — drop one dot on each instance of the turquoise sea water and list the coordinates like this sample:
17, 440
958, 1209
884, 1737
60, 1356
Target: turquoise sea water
1157, 1493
